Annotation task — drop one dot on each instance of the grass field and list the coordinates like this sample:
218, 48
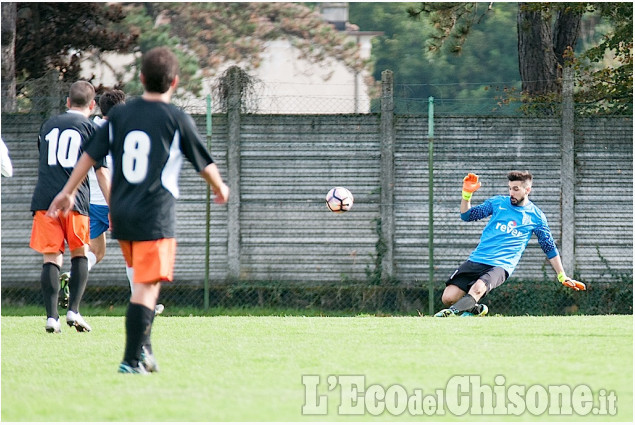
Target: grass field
249, 368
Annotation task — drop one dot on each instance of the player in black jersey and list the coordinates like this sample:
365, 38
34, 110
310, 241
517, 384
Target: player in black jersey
148, 138
61, 142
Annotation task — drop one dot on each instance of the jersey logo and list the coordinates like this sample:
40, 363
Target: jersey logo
510, 228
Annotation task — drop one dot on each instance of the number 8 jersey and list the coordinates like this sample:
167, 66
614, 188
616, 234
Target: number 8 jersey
60, 142
148, 141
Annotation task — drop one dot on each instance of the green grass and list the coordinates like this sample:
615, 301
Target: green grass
247, 368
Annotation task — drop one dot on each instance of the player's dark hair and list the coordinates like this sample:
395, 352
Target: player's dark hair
109, 99
81, 93
523, 176
159, 66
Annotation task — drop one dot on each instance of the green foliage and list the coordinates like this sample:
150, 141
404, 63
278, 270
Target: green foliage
605, 83
604, 65
138, 21
464, 81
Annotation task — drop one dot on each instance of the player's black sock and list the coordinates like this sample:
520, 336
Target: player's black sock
466, 303
146, 335
138, 325
77, 282
50, 282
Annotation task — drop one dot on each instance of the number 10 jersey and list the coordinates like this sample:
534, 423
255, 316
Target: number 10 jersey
148, 141
61, 141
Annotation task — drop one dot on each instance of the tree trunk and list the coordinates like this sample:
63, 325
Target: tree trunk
9, 15
537, 62
566, 32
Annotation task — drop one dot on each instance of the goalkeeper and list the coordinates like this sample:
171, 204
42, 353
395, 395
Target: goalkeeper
505, 237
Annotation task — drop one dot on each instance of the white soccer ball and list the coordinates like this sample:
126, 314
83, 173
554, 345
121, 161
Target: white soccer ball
339, 199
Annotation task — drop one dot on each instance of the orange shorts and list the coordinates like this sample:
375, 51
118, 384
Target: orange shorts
48, 234
151, 261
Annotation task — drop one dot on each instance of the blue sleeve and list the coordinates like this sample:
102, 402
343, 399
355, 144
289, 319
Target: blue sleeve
545, 239
479, 212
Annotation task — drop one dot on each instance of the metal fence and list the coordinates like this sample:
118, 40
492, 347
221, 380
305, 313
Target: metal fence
276, 244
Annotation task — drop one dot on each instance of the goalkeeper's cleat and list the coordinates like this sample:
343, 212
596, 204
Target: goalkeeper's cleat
76, 320
158, 309
148, 361
477, 310
447, 312
482, 310
53, 326
64, 278
125, 367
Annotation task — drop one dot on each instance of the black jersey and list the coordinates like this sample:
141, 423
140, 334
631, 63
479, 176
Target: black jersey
61, 142
148, 141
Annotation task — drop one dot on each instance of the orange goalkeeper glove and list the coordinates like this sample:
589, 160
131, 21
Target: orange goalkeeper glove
470, 185
571, 283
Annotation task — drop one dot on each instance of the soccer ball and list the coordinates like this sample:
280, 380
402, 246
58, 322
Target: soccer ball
339, 200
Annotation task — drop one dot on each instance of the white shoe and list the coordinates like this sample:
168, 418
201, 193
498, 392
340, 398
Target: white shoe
76, 319
53, 326
158, 309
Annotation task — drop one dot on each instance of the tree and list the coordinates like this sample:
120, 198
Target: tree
542, 45
9, 13
608, 88
547, 37
55, 35
459, 83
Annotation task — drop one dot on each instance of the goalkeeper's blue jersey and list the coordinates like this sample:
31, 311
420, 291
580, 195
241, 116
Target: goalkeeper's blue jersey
507, 233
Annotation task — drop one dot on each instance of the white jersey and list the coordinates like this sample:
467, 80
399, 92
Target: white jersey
96, 195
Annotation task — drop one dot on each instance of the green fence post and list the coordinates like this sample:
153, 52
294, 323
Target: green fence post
430, 206
207, 208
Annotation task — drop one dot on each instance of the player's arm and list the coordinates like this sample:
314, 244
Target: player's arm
470, 185
556, 263
65, 200
103, 179
548, 245
213, 178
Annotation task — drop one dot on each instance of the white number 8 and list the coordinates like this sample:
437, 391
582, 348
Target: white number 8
135, 158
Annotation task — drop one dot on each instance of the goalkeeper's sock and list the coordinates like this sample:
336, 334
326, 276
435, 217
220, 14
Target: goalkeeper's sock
467, 303
138, 323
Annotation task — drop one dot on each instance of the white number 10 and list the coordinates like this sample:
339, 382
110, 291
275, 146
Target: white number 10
63, 148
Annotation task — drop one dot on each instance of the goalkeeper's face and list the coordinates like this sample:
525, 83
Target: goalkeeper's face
519, 192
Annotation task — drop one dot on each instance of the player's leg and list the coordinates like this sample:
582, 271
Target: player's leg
492, 278
456, 288
99, 223
76, 228
452, 294
158, 309
49, 281
153, 263
47, 238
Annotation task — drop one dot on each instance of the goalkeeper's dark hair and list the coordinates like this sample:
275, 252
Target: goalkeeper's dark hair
109, 99
159, 67
81, 94
523, 176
